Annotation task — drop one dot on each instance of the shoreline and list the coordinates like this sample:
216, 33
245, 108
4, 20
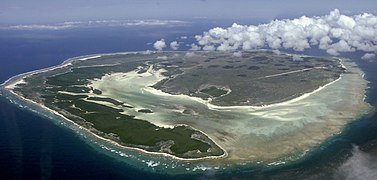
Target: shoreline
13, 81
117, 144
219, 108
9, 84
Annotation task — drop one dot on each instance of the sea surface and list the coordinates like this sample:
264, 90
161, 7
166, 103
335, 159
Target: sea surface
33, 146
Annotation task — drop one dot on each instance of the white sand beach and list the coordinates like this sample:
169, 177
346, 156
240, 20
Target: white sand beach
245, 133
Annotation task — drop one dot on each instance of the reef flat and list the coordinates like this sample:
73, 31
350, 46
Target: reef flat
261, 106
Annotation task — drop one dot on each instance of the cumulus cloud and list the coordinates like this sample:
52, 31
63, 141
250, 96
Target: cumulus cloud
296, 58
334, 33
147, 52
160, 44
190, 54
237, 54
360, 165
174, 45
209, 48
368, 56
194, 47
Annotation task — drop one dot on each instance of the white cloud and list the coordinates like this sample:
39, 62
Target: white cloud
97, 23
368, 56
334, 33
194, 47
276, 51
237, 54
162, 57
147, 52
174, 45
160, 44
296, 58
360, 165
39, 27
209, 48
332, 52
190, 54
154, 22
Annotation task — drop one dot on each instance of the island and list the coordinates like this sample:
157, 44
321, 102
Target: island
263, 106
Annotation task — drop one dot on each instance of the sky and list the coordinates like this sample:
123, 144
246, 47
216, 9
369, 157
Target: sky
51, 11
335, 26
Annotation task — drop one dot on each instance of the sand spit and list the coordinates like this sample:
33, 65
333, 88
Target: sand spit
90, 57
250, 133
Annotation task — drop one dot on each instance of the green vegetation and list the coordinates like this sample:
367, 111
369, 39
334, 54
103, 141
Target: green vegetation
73, 89
253, 78
107, 121
131, 131
145, 111
81, 76
96, 91
316, 83
214, 91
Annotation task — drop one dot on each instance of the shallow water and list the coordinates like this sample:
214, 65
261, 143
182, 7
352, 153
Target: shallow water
33, 147
271, 133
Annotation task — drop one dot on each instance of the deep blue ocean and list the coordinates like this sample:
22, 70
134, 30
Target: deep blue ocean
34, 147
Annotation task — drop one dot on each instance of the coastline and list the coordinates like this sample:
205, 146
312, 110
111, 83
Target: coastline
10, 83
248, 107
19, 79
117, 144
219, 108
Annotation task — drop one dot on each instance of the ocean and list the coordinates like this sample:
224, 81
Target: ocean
35, 147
